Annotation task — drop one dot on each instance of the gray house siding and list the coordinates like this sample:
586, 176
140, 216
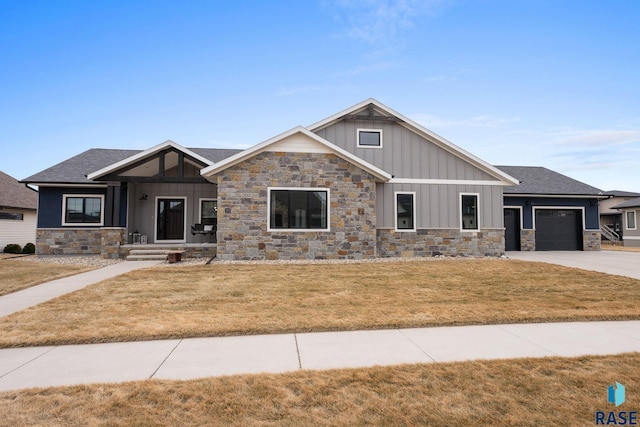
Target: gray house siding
142, 213
404, 154
438, 205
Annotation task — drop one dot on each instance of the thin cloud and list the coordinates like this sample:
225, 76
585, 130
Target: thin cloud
598, 138
381, 21
483, 121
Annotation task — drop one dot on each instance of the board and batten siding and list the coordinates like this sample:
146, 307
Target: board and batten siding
142, 212
404, 154
18, 231
438, 206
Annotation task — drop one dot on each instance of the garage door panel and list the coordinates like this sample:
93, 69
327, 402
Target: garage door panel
558, 230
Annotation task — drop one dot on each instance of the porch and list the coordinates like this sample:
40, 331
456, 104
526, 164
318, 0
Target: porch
145, 252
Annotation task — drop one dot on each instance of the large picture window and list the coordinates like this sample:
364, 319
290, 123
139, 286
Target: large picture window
82, 209
469, 212
405, 210
298, 209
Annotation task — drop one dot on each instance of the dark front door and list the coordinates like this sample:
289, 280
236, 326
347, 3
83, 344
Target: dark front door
512, 229
170, 219
558, 230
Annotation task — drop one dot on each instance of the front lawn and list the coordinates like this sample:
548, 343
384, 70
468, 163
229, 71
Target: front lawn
16, 274
524, 392
239, 299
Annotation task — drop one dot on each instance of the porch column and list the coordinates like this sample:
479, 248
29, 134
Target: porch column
112, 205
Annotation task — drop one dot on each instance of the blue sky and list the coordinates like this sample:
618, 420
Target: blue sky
552, 83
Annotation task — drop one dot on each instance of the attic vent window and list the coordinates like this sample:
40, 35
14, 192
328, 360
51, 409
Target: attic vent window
370, 138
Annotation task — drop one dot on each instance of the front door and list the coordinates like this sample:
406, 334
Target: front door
170, 214
512, 229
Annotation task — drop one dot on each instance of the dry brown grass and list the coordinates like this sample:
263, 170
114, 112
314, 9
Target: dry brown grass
620, 248
16, 275
526, 392
223, 299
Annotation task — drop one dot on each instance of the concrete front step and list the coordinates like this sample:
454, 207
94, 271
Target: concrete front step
147, 255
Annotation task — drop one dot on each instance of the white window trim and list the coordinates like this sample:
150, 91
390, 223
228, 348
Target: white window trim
297, 230
395, 212
368, 130
626, 220
205, 199
470, 230
82, 224
155, 220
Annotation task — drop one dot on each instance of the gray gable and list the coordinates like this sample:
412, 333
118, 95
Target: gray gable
76, 169
16, 195
543, 181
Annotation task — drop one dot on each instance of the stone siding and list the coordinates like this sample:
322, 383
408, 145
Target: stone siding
242, 208
68, 241
527, 240
449, 242
112, 238
591, 240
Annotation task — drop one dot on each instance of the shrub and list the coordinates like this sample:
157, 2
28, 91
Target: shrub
29, 248
12, 248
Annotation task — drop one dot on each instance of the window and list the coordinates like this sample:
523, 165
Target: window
469, 212
299, 209
208, 211
631, 220
12, 216
405, 210
82, 209
370, 138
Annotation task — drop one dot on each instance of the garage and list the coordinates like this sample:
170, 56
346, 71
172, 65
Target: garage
558, 229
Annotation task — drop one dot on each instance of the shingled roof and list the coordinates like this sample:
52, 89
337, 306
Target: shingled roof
76, 169
536, 180
633, 203
16, 195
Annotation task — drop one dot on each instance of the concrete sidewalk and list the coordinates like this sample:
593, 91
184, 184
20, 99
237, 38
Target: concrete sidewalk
204, 357
35, 295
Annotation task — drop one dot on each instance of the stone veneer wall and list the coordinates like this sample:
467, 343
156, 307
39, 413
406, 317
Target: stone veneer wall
449, 242
242, 208
68, 241
591, 240
527, 240
111, 239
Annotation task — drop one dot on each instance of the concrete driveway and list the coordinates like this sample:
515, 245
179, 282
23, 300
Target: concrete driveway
611, 262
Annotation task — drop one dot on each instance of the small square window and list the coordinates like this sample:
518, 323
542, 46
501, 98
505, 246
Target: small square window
370, 138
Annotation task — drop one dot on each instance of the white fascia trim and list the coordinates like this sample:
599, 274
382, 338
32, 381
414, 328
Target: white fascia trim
257, 149
445, 181
146, 153
48, 184
436, 139
556, 196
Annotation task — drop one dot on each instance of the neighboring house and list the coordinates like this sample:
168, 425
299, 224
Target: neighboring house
630, 215
18, 206
550, 211
362, 183
611, 221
